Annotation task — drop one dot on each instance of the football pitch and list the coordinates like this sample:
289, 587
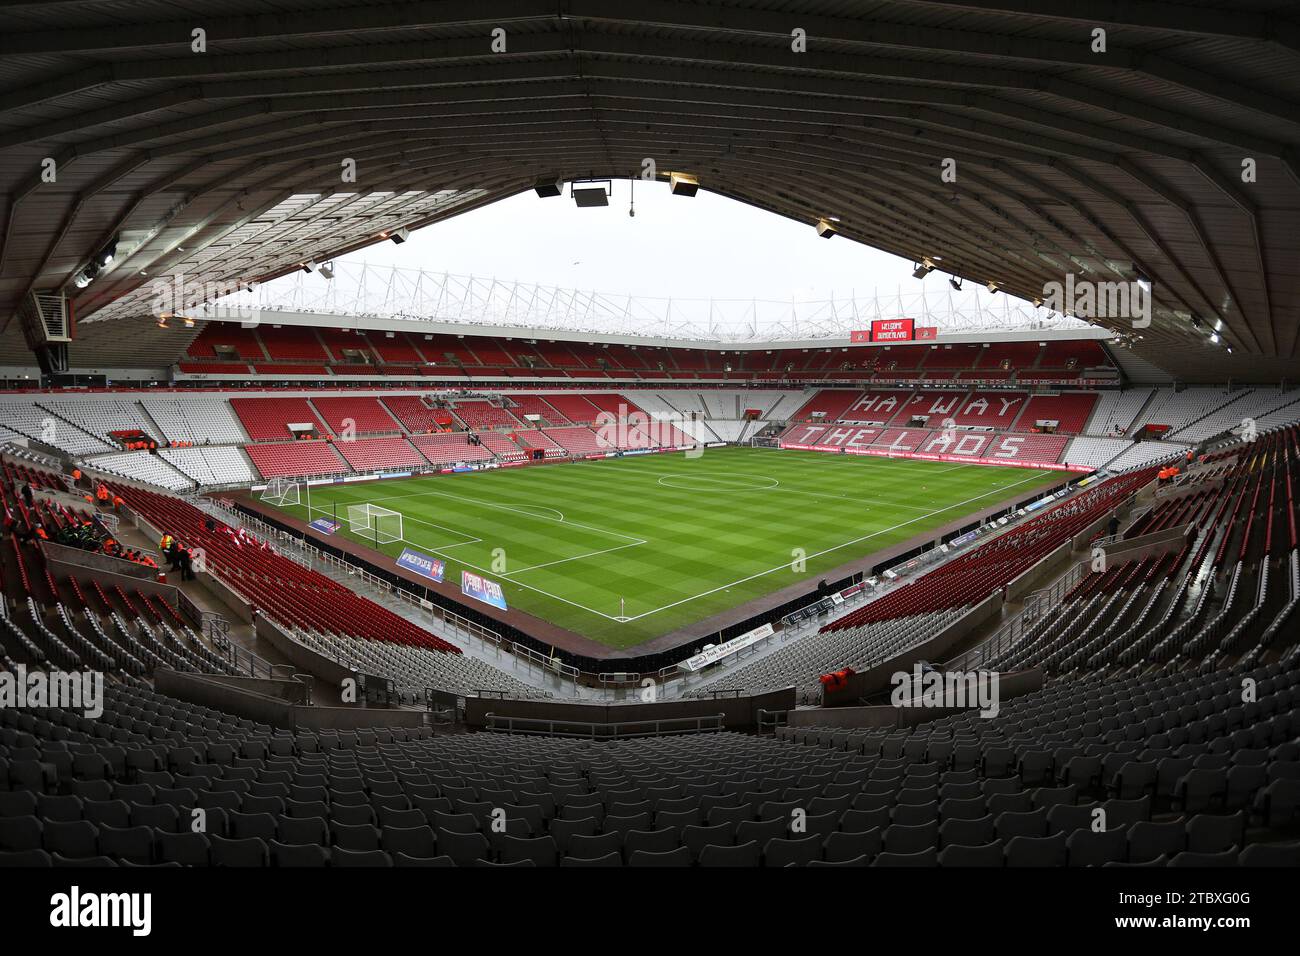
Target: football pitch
624, 550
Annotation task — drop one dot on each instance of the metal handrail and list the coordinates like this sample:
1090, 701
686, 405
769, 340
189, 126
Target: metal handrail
1035, 606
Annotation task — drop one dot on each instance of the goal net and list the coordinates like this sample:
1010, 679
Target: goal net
282, 492
378, 524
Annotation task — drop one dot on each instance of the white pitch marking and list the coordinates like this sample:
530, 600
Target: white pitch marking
865, 537
686, 600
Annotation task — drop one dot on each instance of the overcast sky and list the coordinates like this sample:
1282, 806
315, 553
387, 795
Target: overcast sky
702, 247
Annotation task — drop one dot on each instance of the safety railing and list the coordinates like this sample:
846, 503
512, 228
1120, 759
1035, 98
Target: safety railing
1036, 605
768, 721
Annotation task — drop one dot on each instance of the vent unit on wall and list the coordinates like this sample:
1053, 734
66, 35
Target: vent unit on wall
45, 318
47, 326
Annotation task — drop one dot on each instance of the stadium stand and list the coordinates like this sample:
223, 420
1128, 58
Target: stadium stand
216, 465
578, 441
503, 446
297, 459
357, 416
286, 592
395, 347
450, 448
612, 406
1116, 411
476, 415
576, 408
1178, 409
196, 421
142, 466
877, 406
413, 414
1147, 453
918, 610
996, 410
217, 337
102, 416
1070, 410
536, 438
379, 454
25, 418
1072, 355
521, 406
1096, 452
1260, 407
1132, 612
268, 419
829, 405
718, 663
1009, 355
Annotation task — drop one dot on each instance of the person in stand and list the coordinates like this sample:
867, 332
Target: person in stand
1113, 527
27, 495
187, 564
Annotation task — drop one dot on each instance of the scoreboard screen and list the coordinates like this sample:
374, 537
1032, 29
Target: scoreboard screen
891, 330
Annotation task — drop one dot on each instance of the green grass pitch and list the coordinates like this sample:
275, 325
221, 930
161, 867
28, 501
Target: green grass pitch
623, 550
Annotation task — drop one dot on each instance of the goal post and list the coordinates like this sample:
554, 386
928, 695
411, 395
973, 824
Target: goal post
381, 525
283, 492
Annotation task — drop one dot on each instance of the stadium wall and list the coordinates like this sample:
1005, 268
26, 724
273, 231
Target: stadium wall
857, 718
874, 681
737, 713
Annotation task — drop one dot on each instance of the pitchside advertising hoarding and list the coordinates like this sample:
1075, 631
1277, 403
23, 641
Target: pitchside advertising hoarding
325, 525
717, 652
481, 589
422, 564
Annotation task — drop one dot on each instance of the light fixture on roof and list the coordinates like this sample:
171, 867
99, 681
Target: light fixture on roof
327, 270
993, 286
1143, 282
1214, 338
308, 266
955, 282
826, 229
923, 269
400, 235
683, 184
105, 255
549, 188
189, 322
162, 320
1037, 302
592, 193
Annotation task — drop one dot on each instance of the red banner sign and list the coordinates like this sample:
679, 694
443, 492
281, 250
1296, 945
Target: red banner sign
891, 330
926, 332
859, 336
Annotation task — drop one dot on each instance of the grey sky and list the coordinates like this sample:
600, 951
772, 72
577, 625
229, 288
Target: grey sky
704, 247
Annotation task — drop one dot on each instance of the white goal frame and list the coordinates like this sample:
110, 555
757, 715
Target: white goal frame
381, 525
283, 492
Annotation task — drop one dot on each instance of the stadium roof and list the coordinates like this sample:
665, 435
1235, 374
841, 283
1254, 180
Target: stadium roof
1173, 154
